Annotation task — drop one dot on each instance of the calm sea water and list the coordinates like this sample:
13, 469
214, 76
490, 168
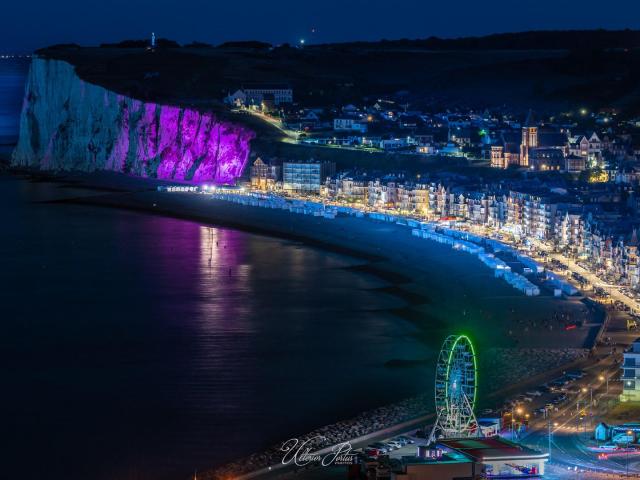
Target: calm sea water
144, 347
12, 77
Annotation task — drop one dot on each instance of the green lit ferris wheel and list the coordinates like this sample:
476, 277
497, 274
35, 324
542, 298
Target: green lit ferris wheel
456, 388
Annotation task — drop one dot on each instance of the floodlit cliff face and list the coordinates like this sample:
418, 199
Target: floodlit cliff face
69, 124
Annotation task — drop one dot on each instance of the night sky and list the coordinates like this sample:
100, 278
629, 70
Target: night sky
27, 25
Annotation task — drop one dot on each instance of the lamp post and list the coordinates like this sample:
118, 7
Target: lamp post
629, 433
584, 390
519, 412
550, 433
602, 378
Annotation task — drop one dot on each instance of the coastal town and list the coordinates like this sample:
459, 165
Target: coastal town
572, 193
565, 210
325, 269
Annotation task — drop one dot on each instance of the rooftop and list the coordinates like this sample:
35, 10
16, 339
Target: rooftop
493, 448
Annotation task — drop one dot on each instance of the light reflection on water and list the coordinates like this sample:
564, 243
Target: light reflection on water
145, 347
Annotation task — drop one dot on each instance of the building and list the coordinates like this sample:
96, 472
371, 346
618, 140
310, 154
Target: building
529, 139
413, 198
349, 124
575, 163
542, 150
255, 95
590, 149
306, 177
264, 176
472, 458
631, 373
546, 158
505, 151
383, 193
352, 188
393, 143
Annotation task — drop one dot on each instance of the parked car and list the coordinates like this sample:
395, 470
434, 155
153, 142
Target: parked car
381, 447
407, 439
559, 399
524, 398
372, 452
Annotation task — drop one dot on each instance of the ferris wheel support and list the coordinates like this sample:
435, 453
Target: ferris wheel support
456, 386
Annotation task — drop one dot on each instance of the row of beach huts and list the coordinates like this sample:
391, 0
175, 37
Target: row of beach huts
483, 248
304, 207
478, 245
499, 267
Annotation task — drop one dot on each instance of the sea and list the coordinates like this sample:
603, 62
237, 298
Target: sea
141, 347
13, 72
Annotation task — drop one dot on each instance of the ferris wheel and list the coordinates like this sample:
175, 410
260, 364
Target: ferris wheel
456, 387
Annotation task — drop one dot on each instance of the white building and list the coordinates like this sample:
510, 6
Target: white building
256, 95
393, 143
631, 374
349, 124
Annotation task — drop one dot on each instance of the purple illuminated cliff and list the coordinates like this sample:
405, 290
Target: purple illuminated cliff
69, 124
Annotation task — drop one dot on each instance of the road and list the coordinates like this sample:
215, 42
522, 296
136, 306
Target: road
572, 426
613, 290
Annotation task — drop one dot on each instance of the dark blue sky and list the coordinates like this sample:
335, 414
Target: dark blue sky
29, 24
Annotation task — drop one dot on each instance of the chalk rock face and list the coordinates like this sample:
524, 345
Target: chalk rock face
69, 124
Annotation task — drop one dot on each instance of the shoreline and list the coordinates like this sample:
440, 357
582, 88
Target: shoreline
397, 267
402, 270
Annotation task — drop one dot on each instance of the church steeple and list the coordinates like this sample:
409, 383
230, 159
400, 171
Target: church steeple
529, 138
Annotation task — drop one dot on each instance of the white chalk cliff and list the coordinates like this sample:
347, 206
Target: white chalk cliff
69, 124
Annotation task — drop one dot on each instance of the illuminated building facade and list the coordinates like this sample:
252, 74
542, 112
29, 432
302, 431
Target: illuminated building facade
264, 176
631, 374
306, 177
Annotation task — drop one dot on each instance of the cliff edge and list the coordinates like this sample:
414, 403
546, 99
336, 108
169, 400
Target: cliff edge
69, 124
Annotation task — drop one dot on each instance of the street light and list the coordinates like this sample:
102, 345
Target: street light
629, 433
602, 378
555, 425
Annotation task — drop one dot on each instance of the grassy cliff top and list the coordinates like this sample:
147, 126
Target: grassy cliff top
544, 70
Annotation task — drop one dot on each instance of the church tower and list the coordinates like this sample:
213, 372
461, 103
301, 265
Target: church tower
529, 139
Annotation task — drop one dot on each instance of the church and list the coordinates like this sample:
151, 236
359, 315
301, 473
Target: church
538, 149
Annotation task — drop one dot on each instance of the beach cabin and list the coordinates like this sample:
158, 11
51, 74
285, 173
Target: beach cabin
602, 432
